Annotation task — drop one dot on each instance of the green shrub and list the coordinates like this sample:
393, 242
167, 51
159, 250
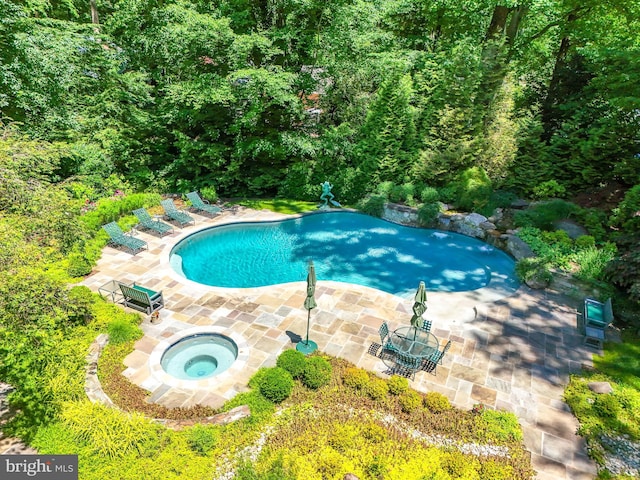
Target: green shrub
428, 213
585, 241
544, 215
293, 362
533, 270
499, 426
384, 188
79, 305
122, 330
410, 401
111, 209
473, 189
429, 195
276, 384
372, 205
436, 402
592, 262
256, 378
376, 389
595, 221
201, 439
625, 215
209, 193
402, 193
397, 384
447, 194
78, 265
356, 378
458, 465
317, 372
549, 189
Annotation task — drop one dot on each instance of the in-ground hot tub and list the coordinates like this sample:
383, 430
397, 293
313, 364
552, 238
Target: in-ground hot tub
199, 356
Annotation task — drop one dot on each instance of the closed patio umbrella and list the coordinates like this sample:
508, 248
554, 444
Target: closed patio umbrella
419, 306
309, 346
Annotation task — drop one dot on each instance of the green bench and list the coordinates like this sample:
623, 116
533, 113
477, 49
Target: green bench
142, 299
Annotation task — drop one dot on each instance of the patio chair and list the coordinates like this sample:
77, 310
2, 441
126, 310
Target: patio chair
142, 299
145, 221
385, 339
202, 205
172, 213
118, 238
594, 321
406, 365
430, 364
426, 325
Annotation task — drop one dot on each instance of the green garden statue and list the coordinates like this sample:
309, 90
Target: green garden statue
327, 196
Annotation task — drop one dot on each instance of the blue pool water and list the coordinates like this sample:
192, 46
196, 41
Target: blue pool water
345, 247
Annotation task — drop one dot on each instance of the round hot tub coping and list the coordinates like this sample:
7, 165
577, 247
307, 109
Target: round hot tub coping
159, 374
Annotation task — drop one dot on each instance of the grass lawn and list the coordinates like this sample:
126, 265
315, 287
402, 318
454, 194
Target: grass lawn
280, 205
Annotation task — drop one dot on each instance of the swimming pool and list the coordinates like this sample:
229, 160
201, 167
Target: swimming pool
345, 247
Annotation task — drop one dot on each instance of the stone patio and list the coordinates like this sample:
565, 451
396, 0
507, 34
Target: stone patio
513, 353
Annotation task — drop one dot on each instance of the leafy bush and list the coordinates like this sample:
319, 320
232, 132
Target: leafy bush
79, 305
473, 189
402, 193
123, 330
293, 362
585, 241
549, 189
201, 439
544, 215
376, 389
384, 189
533, 271
436, 402
276, 384
592, 262
624, 269
209, 193
428, 213
499, 426
372, 205
397, 384
429, 195
317, 372
626, 214
410, 401
356, 378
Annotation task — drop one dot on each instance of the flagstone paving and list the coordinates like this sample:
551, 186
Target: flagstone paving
513, 353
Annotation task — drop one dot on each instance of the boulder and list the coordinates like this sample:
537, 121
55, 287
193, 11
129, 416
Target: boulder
518, 248
475, 219
600, 387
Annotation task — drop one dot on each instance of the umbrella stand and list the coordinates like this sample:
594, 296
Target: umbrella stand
309, 346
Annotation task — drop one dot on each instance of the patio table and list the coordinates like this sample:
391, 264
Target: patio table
414, 341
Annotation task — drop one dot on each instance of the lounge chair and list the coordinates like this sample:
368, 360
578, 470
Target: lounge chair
172, 213
145, 221
202, 205
117, 238
594, 321
142, 299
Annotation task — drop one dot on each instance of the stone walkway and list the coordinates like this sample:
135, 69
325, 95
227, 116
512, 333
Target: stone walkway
513, 353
